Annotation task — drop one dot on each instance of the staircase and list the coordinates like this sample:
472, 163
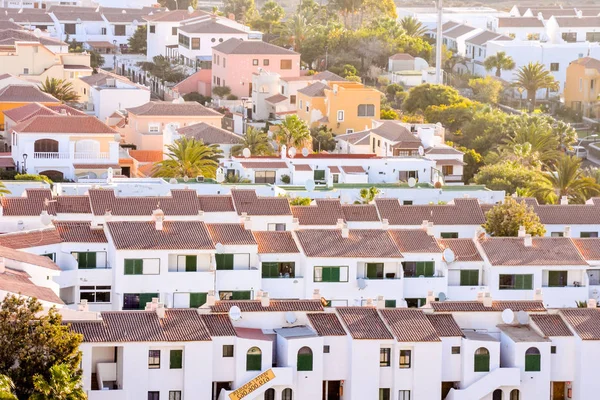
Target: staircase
487, 384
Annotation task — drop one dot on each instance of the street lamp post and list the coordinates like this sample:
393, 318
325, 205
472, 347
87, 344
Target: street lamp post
25, 163
115, 55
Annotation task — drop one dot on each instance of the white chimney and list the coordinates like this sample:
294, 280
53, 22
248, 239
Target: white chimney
339, 224
200, 215
385, 224
295, 224
83, 306
2, 265
284, 151
522, 232
380, 302
592, 303
259, 294
264, 300
567, 233
369, 302
210, 298
564, 200
316, 294
538, 295
487, 300
430, 298
527, 241
160, 310
345, 231
247, 223
424, 224
429, 228
158, 216
480, 296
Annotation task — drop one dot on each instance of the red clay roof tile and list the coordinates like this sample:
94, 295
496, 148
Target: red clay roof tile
409, 325
326, 324
364, 323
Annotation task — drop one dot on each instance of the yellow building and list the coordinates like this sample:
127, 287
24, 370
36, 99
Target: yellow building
344, 107
581, 88
14, 96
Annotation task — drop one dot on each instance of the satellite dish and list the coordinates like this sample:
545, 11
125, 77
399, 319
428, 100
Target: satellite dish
508, 316
219, 248
361, 283
310, 185
290, 317
523, 317
37, 32
442, 296
448, 255
173, 181
190, 9
46, 218
11, 19
186, 178
305, 152
412, 182
345, 198
235, 313
421, 151
123, 11
246, 152
292, 152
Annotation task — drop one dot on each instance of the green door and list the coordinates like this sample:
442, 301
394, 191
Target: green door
146, 298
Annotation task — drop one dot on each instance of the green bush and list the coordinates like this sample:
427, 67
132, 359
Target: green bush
32, 177
300, 201
285, 179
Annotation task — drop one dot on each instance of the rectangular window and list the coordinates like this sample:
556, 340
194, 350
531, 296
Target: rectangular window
588, 234
557, 278
516, 282
95, 294
409, 203
331, 274
227, 350
554, 67
469, 277
385, 357
255, 61
174, 31
414, 269
153, 359
340, 115
154, 128
119, 30
384, 394
266, 63
103, 31
187, 263
148, 266
85, 260
286, 64
152, 28
319, 175
336, 178
390, 304
278, 270
195, 43
405, 356
137, 301
569, 36
404, 395
326, 349
293, 99
264, 177
174, 394
366, 110
447, 235
176, 359
300, 105
276, 227
448, 170
234, 295
552, 349
592, 36
70, 29
224, 261
557, 234
375, 270
455, 349
153, 395
184, 41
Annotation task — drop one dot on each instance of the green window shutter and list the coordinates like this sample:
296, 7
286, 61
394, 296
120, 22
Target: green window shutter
129, 267
527, 281
390, 304
372, 271
253, 362
176, 359
533, 362
429, 268
553, 278
240, 295
138, 267
270, 270
482, 363
464, 278
91, 260
335, 274
190, 263
219, 261
197, 299
518, 281
326, 274
420, 269
229, 261
224, 261
81, 260
469, 277
146, 298
305, 362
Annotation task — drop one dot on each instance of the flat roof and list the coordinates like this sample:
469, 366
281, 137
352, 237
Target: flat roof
479, 336
522, 333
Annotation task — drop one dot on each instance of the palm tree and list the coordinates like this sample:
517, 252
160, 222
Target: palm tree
500, 61
531, 144
533, 77
294, 31
569, 180
60, 89
293, 132
3, 189
61, 385
412, 26
256, 141
189, 157
6, 388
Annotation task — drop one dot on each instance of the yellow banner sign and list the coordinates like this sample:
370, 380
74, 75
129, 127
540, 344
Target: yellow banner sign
251, 386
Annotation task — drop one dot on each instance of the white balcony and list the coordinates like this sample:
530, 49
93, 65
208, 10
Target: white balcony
51, 155
464, 292
291, 288
564, 296
91, 156
418, 287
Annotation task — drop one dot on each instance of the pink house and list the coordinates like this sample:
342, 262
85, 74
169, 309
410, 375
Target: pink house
235, 60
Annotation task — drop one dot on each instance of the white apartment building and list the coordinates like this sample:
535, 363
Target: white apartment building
478, 17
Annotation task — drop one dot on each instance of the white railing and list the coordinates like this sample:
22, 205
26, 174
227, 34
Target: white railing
92, 156
50, 155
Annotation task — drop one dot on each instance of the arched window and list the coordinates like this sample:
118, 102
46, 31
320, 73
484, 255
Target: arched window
270, 394
56, 176
45, 146
482, 360
254, 359
514, 394
87, 147
533, 360
497, 395
305, 359
287, 394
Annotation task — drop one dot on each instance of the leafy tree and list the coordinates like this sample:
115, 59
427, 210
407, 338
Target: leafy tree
197, 97
221, 91
60, 89
239, 8
422, 96
486, 90
485, 130
31, 342
415, 46
453, 116
7, 388
292, 132
367, 196
322, 139
271, 14
256, 141
161, 68
189, 157
61, 385
96, 60
294, 32
345, 71
474, 162
533, 77
388, 113
508, 176
567, 179
499, 62
298, 201
393, 88
412, 26
505, 219
138, 42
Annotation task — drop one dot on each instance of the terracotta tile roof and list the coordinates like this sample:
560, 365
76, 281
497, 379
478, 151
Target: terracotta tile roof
209, 26
79, 232
275, 242
216, 203
409, 325
302, 167
230, 234
462, 212
326, 324
14, 282
360, 212
364, 243
544, 251
72, 205
142, 235
588, 62
251, 47
440, 163
414, 241
7, 162
520, 22
334, 169
180, 202
65, 109
167, 108
23, 240
464, 249
551, 325
147, 155
277, 98
144, 326
442, 150
209, 134
246, 201
588, 247
316, 89
63, 124
575, 22
567, 214
353, 169
497, 306
174, 16
445, 325
25, 93
22, 113
264, 164
584, 321
325, 212
218, 324
223, 306
28, 258
364, 323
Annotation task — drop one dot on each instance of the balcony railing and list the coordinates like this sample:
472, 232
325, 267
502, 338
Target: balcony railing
92, 156
54, 155
51, 155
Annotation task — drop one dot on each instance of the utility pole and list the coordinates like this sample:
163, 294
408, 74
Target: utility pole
438, 45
